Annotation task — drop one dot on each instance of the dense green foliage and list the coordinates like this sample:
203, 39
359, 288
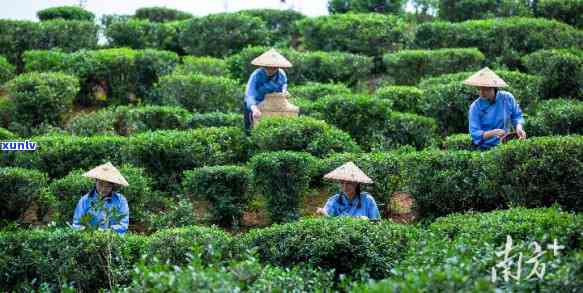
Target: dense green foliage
310, 66
215, 119
42, 97
314, 91
453, 10
225, 187
66, 13
369, 34
280, 23
161, 14
20, 188
363, 6
222, 34
204, 65
7, 71
283, 178
408, 67
556, 117
403, 98
561, 70
567, 11
300, 134
142, 34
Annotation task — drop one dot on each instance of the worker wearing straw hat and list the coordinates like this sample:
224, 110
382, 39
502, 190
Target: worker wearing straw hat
351, 201
493, 114
102, 207
268, 78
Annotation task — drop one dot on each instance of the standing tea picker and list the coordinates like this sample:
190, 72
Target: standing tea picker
351, 201
494, 113
102, 208
268, 78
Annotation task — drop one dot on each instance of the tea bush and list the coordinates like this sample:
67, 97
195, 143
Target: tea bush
556, 117
460, 141
370, 34
6, 135
567, 11
42, 97
561, 70
280, 23
222, 34
199, 93
408, 67
203, 65
312, 66
20, 188
344, 244
66, 13
283, 179
464, 10
503, 40
314, 90
142, 34
161, 14
363, 6
403, 98
300, 134
215, 119
225, 187
7, 71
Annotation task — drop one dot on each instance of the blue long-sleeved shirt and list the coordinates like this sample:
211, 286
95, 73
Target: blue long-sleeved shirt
344, 207
116, 205
503, 113
260, 84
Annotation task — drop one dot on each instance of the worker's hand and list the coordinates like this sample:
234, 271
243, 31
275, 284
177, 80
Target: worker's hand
321, 211
256, 112
495, 132
520, 132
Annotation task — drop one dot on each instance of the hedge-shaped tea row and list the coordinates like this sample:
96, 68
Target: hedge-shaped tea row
379, 250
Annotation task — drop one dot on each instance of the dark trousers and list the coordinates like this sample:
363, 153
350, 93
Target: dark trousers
247, 118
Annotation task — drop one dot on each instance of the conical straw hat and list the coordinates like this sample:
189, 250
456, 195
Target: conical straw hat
486, 78
107, 172
348, 172
271, 58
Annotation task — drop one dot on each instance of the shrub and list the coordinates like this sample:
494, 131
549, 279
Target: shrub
225, 187
314, 91
403, 98
179, 245
215, 119
364, 6
66, 13
64, 257
58, 155
166, 154
360, 116
89, 124
199, 93
283, 178
222, 34
20, 187
280, 23
141, 34
300, 134
567, 11
19, 36
130, 120
369, 34
541, 225
316, 66
204, 65
176, 215
556, 117
161, 14
7, 71
6, 135
460, 142
447, 182
346, 245
68, 190
42, 97
409, 66
120, 73
539, 172
463, 10
242, 275
503, 40
405, 129
561, 70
